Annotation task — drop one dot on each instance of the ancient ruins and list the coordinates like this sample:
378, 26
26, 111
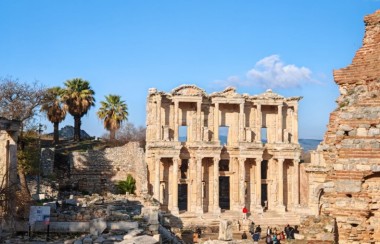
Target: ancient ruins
9, 131
346, 166
257, 166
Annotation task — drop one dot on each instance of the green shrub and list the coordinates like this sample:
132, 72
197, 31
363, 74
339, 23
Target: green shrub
128, 185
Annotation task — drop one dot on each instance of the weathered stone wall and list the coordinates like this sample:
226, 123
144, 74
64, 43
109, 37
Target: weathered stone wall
351, 146
98, 171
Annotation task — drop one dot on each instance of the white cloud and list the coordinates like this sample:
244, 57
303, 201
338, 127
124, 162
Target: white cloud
271, 72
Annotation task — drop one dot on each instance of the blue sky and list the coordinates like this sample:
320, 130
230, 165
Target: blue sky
126, 47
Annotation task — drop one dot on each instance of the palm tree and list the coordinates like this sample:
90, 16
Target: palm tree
54, 109
78, 98
113, 112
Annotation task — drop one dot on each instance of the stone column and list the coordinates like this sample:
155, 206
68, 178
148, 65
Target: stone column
216, 122
295, 125
281, 206
259, 121
159, 130
259, 207
175, 209
241, 122
216, 185
279, 123
242, 182
176, 124
199, 205
199, 121
156, 193
296, 188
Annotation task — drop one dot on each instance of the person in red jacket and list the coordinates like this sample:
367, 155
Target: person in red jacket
245, 211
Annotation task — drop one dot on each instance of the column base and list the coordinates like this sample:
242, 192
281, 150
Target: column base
281, 208
259, 209
174, 211
217, 210
199, 210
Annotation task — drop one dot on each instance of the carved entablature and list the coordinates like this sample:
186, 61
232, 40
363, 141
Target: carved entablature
188, 90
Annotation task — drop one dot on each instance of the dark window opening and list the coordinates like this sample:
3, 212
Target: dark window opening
224, 165
349, 195
264, 169
184, 167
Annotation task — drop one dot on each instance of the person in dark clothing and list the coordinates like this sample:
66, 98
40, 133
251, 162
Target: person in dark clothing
268, 239
199, 232
244, 236
258, 230
256, 237
291, 233
287, 231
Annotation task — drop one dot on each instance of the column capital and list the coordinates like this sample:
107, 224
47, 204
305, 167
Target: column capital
242, 159
280, 160
297, 160
216, 159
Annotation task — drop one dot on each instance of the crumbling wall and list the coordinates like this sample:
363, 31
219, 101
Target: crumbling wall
98, 171
351, 145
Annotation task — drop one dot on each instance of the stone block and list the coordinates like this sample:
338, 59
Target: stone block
347, 186
87, 240
225, 230
122, 225
97, 226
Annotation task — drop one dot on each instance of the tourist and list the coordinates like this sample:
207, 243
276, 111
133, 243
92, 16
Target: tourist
274, 239
291, 233
282, 235
269, 231
199, 232
287, 231
268, 239
244, 236
258, 230
256, 238
245, 211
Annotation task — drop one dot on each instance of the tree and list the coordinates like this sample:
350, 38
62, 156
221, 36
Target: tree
54, 110
78, 98
20, 101
113, 112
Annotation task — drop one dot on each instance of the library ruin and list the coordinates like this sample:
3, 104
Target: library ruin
191, 169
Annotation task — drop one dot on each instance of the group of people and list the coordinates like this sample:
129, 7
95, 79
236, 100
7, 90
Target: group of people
273, 236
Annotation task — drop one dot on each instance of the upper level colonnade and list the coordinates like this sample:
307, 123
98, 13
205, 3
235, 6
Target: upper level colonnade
188, 114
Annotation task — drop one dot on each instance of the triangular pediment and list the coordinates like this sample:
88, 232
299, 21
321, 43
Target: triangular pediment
188, 90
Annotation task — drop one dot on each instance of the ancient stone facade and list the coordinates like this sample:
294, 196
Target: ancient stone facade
8, 152
99, 171
192, 169
346, 167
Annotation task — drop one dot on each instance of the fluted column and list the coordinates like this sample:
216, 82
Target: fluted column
199, 121
159, 130
199, 205
216, 185
216, 122
279, 123
280, 162
242, 182
258, 184
175, 209
295, 125
156, 192
176, 124
258, 123
241, 122
296, 188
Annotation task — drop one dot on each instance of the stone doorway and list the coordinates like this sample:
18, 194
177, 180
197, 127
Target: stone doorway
182, 197
224, 192
264, 196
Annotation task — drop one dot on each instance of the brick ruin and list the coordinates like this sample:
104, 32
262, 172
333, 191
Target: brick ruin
99, 170
196, 172
345, 169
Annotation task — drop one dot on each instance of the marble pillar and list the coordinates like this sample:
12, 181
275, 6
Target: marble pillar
259, 207
176, 124
216, 122
199, 121
280, 206
159, 130
258, 123
199, 204
242, 182
296, 183
241, 122
156, 192
279, 124
174, 184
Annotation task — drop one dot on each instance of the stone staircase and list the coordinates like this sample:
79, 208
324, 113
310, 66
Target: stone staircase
268, 218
